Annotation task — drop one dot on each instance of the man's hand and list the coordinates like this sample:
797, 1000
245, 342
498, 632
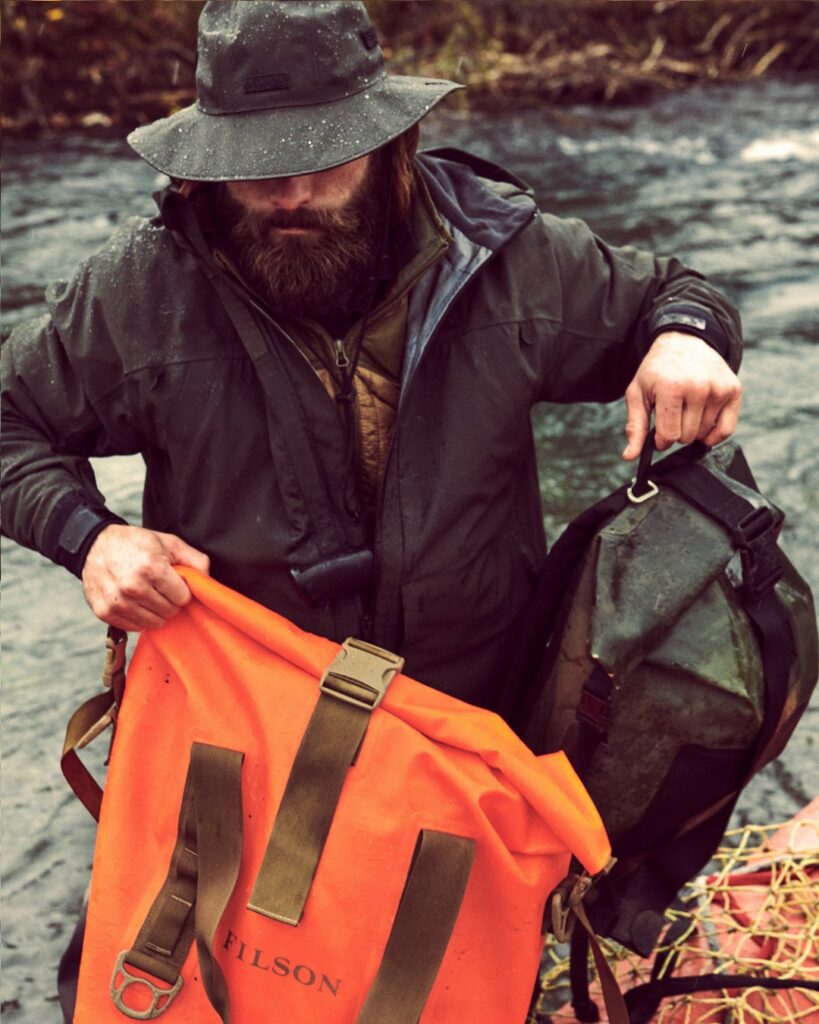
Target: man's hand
693, 391
128, 576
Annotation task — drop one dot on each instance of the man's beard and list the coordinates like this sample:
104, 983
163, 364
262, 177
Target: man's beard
320, 274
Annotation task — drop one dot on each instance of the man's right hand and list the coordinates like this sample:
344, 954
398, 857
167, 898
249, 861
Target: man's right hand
129, 580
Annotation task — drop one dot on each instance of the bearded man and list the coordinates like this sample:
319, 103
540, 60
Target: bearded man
326, 348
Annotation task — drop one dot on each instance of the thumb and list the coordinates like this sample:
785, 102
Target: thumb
637, 422
181, 553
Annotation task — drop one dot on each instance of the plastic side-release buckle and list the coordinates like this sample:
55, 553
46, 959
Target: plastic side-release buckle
360, 673
115, 647
755, 537
161, 998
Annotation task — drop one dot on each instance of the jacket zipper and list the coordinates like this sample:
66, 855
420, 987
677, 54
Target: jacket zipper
403, 403
342, 362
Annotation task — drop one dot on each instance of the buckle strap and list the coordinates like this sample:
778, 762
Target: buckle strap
753, 528
360, 673
351, 688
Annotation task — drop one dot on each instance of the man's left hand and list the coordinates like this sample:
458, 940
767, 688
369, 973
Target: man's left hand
693, 391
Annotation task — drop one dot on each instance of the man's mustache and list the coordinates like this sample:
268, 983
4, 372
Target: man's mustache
307, 219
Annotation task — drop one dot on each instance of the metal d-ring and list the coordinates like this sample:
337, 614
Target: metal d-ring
157, 993
650, 490
641, 487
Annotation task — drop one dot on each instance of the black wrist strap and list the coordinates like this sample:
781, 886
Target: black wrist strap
78, 533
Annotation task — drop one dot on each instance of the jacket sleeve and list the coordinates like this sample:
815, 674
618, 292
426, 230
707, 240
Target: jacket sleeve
611, 304
50, 500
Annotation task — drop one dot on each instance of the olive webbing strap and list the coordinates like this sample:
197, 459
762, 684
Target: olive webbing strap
203, 870
217, 792
422, 928
306, 812
351, 688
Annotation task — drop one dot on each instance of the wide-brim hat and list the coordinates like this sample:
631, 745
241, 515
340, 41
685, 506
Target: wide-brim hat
285, 88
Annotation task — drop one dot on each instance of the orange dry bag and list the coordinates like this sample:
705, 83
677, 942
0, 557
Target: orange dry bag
293, 831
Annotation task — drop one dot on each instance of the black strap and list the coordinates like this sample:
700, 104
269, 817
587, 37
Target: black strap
643, 1000
754, 531
585, 1009
541, 622
592, 714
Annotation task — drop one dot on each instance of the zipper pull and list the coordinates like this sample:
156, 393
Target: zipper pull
341, 356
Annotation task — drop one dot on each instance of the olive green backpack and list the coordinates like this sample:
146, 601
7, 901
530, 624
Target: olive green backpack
670, 651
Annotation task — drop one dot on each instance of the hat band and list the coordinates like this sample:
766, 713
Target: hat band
272, 92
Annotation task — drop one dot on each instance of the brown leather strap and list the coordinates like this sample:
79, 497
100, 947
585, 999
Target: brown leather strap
88, 720
92, 718
422, 928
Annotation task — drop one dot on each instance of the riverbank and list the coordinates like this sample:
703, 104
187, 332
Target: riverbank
110, 64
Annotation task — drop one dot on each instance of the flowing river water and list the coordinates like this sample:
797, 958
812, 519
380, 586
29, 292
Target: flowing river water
726, 177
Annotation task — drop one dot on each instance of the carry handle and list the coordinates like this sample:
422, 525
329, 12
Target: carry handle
92, 718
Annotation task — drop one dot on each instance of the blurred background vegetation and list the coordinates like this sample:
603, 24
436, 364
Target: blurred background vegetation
104, 63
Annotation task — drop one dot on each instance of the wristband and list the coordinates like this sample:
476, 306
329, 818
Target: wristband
690, 319
76, 527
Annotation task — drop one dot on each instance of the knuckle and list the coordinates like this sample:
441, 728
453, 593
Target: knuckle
133, 586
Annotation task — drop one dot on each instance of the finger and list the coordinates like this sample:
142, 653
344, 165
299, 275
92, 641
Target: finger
726, 422
155, 603
694, 412
637, 421
132, 624
125, 614
668, 419
171, 588
183, 554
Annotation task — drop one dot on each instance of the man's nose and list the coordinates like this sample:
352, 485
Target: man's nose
290, 193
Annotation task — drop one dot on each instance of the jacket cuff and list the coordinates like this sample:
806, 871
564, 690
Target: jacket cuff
72, 528
691, 319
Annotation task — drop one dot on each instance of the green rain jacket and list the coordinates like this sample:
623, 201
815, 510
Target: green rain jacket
150, 348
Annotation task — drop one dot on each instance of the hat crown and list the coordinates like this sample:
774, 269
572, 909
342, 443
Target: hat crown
269, 54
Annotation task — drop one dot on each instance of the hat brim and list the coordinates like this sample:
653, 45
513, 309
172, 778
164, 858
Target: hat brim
286, 141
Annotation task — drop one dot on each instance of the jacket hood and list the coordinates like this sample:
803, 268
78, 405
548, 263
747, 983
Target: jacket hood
483, 200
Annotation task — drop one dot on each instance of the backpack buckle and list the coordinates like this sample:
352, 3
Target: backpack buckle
755, 537
360, 674
161, 998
